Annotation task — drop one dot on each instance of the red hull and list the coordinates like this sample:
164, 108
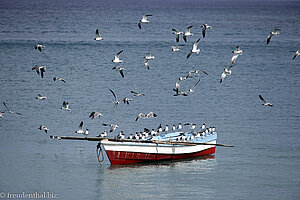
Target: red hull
123, 157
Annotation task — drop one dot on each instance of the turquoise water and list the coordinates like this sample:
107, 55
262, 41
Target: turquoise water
265, 162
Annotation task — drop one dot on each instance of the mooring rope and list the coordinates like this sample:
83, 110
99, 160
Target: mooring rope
99, 151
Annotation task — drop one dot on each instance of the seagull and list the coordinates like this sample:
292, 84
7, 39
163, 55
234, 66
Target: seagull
120, 69
204, 27
39, 47
236, 53
146, 62
173, 128
227, 71
40, 97
203, 126
116, 102
143, 20
93, 115
103, 134
179, 126
10, 111
150, 114
141, 115
59, 79
177, 47
98, 37
112, 127
44, 128
187, 33
126, 100
137, 94
177, 33
296, 54
273, 33
195, 49
117, 59
193, 126
191, 90
265, 102
65, 106
39, 69
80, 128
166, 129
148, 56
121, 135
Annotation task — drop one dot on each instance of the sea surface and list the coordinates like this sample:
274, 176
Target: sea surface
265, 160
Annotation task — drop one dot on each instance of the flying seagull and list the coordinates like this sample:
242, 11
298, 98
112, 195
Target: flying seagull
137, 94
39, 47
204, 27
9, 110
177, 33
40, 97
273, 33
112, 127
195, 49
93, 115
236, 53
117, 59
120, 69
143, 20
296, 54
147, 116
227, 71
187, 33
59, 79
116, 102
98, 37
65, 106
44, 128
265, 102
177, 47
39, 69
126, 100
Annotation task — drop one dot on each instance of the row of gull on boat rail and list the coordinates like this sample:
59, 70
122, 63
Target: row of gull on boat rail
175, 135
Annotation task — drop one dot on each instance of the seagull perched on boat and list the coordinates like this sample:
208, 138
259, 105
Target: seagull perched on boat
137, 94
40, 97
236, 53
273, 33
117, 59
179, 126
265, 102
103, 134
173, 128
177, 47
9, 110
166, 129
187, 33
44, 128
59, 79
93, 115
204, 27
39, 47
39, 70
296, 54
195, 49
121, 135
226, 71
98, 37
80, 129
112, 127
203, 126
143, 20
116, 102
65, 106
120, 69
177, 33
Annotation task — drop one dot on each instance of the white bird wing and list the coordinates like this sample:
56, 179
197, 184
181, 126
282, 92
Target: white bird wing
188, 29
223, 76
233, 59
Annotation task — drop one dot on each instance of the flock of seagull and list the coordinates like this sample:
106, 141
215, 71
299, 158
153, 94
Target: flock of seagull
40, 70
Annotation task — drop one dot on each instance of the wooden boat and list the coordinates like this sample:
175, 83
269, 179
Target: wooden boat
164, 147
171, 146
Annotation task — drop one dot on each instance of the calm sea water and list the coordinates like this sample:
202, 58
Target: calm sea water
265, 162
